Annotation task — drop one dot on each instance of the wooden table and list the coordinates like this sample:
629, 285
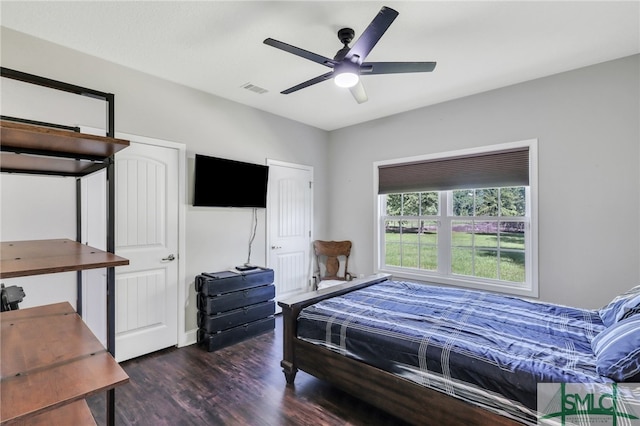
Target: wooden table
50, 362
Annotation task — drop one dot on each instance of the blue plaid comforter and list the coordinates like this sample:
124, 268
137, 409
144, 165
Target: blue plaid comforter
485, 348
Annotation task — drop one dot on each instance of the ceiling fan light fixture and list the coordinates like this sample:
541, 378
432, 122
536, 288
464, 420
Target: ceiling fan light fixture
346, 79
349, 62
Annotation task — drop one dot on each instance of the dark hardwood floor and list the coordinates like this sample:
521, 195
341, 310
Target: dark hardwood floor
241, 384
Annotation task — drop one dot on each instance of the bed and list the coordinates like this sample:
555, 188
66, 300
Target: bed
439, 355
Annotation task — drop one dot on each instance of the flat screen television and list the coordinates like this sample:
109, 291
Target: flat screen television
220, 182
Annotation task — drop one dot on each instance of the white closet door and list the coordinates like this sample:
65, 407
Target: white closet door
289, 216
94, 234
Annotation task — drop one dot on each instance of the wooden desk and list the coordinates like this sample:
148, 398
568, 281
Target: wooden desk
51, 361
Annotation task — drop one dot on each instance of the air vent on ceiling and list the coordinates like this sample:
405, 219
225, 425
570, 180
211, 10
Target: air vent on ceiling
256, 89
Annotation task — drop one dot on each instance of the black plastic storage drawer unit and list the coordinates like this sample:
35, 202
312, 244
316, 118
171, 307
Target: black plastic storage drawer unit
233, 306
225, 320
215, 283
213, 341
235, 299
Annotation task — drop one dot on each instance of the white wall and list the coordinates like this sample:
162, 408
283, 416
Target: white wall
588, 127
147, 106
29, 213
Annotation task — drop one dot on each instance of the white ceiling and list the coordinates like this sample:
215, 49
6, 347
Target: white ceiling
217, 46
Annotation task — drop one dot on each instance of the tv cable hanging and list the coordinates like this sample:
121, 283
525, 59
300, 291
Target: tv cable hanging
254, 219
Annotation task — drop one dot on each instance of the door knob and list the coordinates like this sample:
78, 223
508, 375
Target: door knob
169, 258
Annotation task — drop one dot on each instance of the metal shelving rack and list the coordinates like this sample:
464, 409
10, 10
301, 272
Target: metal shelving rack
34, 147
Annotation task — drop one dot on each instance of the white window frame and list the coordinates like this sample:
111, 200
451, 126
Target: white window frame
443, 276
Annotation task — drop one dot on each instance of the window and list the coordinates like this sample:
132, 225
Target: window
462, 218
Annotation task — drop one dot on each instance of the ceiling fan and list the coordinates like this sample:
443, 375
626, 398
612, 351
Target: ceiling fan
348, 64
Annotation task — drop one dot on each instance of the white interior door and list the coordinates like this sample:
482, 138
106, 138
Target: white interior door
289, 216
147, 234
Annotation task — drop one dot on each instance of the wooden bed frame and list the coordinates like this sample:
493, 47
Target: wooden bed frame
407, 400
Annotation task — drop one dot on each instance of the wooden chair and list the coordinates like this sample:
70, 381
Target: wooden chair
332, 262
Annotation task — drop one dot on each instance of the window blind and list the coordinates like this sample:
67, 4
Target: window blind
485, 170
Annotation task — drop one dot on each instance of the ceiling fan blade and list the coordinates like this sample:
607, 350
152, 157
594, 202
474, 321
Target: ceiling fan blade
369, 38
359, 93
396, 67
300, 52
308, 83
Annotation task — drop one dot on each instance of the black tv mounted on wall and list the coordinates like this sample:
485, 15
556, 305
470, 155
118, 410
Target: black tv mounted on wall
220, 182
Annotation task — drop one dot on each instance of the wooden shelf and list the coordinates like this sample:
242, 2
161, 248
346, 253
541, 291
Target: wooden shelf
35, 257
28, 148
77, 413
50, 359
